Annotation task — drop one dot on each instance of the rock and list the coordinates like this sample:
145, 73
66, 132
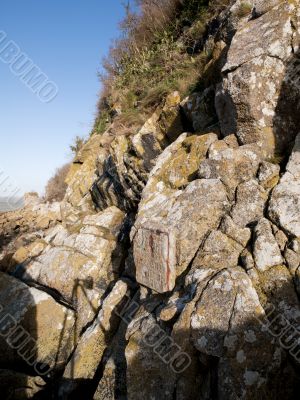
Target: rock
141, 357
231, 332
231, 166
293, 261
248, 102
83, 166
200, 228
247, 260
43, 331
123, 170
278, 296
113, 385
250, 203
284, 206
80, 266
31, 199
106, 389
218, 251
18, 386
281, 239
240, 235
170, 120
88, 354
266, 250
21, 227
209, 322
199, 109
164, 245
176, 167
268, 175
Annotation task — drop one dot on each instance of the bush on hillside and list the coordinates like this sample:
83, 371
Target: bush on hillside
56, 186
159, 51
77, 145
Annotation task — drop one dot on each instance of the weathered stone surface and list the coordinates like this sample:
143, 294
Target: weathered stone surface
18, 386
277, 294
232, 333
240, 235
168, 238
87, 356
250, 203
80, 266
252, 100
176, 167
25, 225
155, 259
199, 108
31, 199
266, 250
218, 251
231, 166
123, 171
284, 207
210, 322
140, 357
268, 175
47, 324
82, 172
293, 260
203, 205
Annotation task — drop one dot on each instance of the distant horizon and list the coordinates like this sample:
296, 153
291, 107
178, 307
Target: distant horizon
11, 203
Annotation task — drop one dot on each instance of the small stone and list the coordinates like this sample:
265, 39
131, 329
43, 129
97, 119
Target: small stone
247, 260
266, 250
268, 175
292, 259
281, 239
240, 235
250, 204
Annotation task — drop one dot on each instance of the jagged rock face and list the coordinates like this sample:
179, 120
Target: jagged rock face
79, 266
177, 260
284, 205
36, 320
257, 99
24, 226
124, 171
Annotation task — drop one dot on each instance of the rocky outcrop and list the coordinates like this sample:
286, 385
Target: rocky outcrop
284, 205
174, 271
24, 226
257, 99
35, 330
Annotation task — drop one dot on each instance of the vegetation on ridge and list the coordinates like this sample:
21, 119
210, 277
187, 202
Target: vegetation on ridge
56, 186
160, 49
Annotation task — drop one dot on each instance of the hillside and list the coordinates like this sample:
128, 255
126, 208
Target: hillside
171, 268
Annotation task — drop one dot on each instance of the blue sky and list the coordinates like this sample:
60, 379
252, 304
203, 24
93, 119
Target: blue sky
66, 39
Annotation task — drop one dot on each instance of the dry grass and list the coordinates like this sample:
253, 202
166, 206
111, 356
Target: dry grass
244, 9
56, 186
157, 52
77, 144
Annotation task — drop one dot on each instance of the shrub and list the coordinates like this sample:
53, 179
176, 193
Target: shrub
160, 50
244, 10
56, 186
78, 144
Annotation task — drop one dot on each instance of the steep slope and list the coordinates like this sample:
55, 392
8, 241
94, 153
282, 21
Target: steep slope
175, 272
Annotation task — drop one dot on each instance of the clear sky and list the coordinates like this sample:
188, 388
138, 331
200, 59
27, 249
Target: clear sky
66, 39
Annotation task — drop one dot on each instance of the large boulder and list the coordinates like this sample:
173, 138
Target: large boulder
79, 267
259, 89
36, 331
164, 244
284, 207
87, 356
